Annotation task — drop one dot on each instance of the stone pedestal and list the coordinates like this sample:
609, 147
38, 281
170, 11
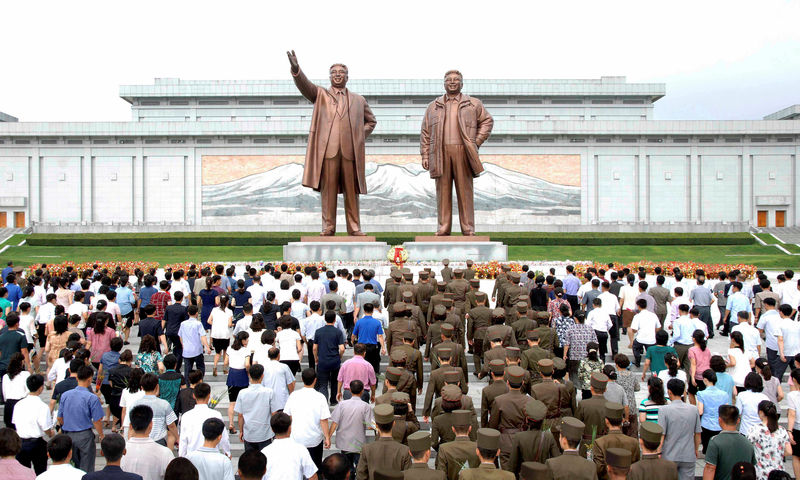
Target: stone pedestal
355, 249
478, 249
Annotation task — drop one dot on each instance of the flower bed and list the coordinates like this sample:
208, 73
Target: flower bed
687, 268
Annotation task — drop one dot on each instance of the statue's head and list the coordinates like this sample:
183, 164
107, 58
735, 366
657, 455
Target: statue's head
338, 74
453, 81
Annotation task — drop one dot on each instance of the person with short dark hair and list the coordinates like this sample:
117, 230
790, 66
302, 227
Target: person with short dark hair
286, 458
369, 331
59, 449
185, 400
328, 349
79, 411
747, 402
252, 465
254, 406
210, 463
277, 376
310, 417
164, 430
191, 436
681, 424
644, 326
181, 469
112, 447
728, 447
174, 315
357, 368
349, 420
142, 454
171, 381
32, 420
194, 342
10, 445
13, 341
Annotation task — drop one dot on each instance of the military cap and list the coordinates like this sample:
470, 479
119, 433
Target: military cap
419, 441
512, 352
423, 275
618, 458
409, 336
497, 366
447, 302
534, 471
572, 428
474, 283
458, 271
515, 374
651, 432
535, 410
514, 277
488, 438
408, 275
400, 398
559, 364
405, 270
446, 262
469, 263
452, 376
522, 307
381, 474
446, 351
384, 413
408, 294
439, 310
441, 286
398, 355
496, 338
447, 328
399, 307
498, 312
523, 298
462, 418
532, 335
451, 393
599, 381
505, 268
614, 410
481, 297
545, 366
396, 274
427, 269
393, 374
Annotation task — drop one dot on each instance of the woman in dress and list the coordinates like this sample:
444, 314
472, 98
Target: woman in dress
221, 321
63, 293
587, 366
14, 386
772, 386
747, 402
561, 323
770, 440
290, 345
206, 300
149, 358
130, 395
648, 408
630, 383
98, 338
57, 339
554, 305
240, 297
238, 359
741, 363
699, 362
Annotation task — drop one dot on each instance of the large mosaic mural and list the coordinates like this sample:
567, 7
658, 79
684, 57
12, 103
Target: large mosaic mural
514, 189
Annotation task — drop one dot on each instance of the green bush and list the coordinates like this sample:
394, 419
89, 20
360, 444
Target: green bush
282, 238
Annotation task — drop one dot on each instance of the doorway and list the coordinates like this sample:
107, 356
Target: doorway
780, 218
762, 218
19, 219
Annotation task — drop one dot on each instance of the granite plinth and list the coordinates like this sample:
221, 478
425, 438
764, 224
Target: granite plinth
456, 251
354, 251
337, 239
452, 239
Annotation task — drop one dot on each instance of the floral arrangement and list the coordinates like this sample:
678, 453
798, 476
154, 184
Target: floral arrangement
58, 269
490, 270
397, 255
686, 268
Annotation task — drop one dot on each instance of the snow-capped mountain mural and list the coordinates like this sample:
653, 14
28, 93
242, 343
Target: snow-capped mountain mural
399, 193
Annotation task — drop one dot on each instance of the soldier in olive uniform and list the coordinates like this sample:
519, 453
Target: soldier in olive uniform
498, 328
571, 465
475, 287
452, 378
522, 325
531, 356
442, 424
405, 422
511, 295
488, 449
384, 453
513, 360
508, 412
390, 292
425, 290
407, 286
390, 382
436, 299
459, 287
497, 352
478, 320
569, 405
419, 445
619, 463
446, 272
534, 471
413, 358
592, 411
499, 284
460, 453
551, 394
614, 439
454, 318
459, 358
416, 312
402, 323
434, 335
497, 386
406, 383
436, 381
469, 272
384, 474
536, 444
547, 335
652, 466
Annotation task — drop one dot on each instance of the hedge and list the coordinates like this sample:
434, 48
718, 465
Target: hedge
282, 238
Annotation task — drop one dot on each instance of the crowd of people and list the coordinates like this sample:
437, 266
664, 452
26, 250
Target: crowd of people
558, 395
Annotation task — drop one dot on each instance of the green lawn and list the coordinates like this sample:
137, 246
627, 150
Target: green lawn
763, 257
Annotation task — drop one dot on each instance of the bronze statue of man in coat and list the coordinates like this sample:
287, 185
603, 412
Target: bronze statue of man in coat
335, 157
453, 128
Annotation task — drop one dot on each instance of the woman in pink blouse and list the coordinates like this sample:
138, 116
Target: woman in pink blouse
700, 358
98, 338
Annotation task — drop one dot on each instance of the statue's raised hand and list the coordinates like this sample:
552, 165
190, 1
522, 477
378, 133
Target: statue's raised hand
293, 61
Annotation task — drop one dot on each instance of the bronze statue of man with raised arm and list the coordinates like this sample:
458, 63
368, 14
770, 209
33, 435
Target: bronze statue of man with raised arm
335, 157
453, 128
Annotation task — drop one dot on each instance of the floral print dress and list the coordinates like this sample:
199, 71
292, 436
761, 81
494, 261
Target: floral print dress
769, 447
585, 370
149, 361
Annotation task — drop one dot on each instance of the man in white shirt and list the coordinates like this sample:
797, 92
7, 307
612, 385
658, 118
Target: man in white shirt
192, 423
788, 337
278, 377
210, 464
310, 414
257, 293
699, 324
179, 284
33, 420
770, 324
287, 459
59, 449
143, 455
644, 326
790, 293
316, 289
347, 290
680, 298
750, 334
600, 322
610, 305
254, 406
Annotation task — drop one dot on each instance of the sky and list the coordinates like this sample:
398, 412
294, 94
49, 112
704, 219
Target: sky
720, 60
